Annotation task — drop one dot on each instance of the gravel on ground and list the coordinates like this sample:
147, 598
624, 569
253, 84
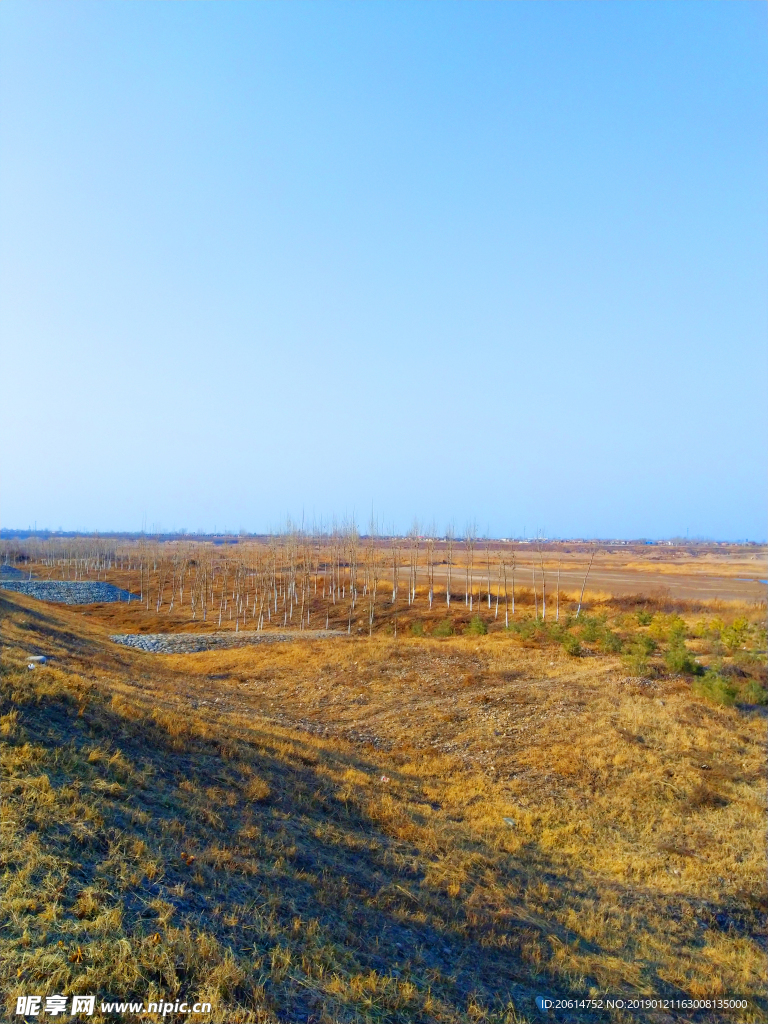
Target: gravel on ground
191, 643
68, 591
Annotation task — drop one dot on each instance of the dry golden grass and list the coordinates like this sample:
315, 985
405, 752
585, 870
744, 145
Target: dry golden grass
410, 829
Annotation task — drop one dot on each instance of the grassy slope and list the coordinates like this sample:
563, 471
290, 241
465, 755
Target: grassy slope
635, 864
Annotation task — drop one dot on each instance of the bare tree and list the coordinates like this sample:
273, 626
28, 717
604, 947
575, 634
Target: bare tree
543, 585
223, 592
586, 575
431, 568
449, 568
470, 584
414, 566
373, 582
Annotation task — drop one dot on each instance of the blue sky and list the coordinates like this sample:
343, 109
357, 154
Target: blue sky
453, 261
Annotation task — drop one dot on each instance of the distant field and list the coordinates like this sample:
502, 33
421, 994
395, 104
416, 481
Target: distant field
432, 817
364, 584
683, 581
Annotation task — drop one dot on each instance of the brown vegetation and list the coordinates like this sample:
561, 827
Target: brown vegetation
433, 826
365, 584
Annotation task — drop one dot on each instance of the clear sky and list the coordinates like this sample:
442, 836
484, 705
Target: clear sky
455, 261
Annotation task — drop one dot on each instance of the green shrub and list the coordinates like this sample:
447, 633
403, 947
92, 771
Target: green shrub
667, 627
642, 647
590, 629
476, 627
444, 628
715, 688
679, 659
709, 630
525, 628
571, 645
610, 642
677, 629
644, 617
735, 636
552, 631
636, 658
417, 628
754, 693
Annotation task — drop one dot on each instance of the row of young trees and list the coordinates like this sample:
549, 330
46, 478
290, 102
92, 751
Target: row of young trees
305, 581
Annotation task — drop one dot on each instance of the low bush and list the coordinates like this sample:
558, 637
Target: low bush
667, 627
526, 629
754, 693
572, 645
679, 659
476, 627
735, 636
444, 628
703, 631
610, 642
636, 658
552, 631
715, 688
591, 629
646, 644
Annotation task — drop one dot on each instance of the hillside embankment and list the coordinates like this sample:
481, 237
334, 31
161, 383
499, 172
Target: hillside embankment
412, 828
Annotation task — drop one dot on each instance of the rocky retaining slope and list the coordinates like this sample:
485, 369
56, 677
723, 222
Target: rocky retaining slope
10, 572
67, 591
191, 643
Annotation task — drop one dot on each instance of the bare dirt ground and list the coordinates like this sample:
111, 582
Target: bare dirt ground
664, 581
705, 573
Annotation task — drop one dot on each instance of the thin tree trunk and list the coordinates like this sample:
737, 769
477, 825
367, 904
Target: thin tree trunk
586, 574
449, 571
543, 588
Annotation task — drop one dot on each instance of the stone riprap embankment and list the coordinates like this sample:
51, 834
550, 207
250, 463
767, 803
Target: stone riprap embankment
10, 572
192, 643
68, 591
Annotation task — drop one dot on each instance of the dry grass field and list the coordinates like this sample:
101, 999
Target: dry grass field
437, 825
